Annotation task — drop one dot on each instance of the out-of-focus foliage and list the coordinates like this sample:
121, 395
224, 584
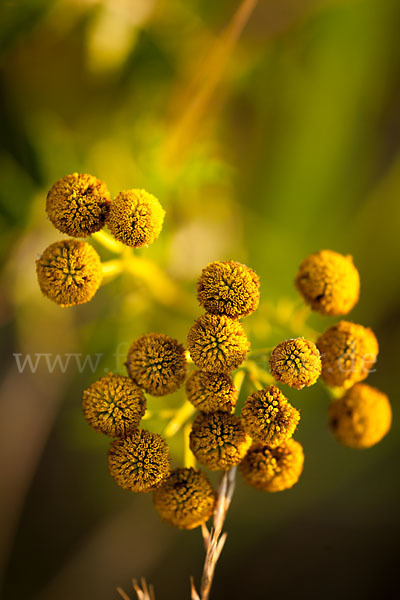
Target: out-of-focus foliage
263, 144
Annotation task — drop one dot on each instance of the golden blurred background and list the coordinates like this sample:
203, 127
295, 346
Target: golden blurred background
268, 130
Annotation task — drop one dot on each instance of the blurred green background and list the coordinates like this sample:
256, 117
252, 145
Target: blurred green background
268, 130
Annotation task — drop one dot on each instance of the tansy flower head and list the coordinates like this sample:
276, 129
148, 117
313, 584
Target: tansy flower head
329, 282
268, 416
218, 440
139, 462
296, 362
217, 344
135, 218
114, 405
361, 418
78, 204
69, 272
228, 288
157, 363
209, 392
348, 351
273, 469
186, 499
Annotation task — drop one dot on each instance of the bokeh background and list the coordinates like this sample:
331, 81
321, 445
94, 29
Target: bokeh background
268, 130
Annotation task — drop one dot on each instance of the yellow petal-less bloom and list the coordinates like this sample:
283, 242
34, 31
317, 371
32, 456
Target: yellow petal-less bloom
217, 344
186, 499
140, 462
69, 272
329, 282
135, 218
114, 405
296, 362
273, 469
78, 204
348, 352
218, 440
268, 416
361, 418
210, 392
157, 363
228, 288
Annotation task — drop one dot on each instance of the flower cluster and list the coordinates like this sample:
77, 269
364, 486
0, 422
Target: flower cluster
139, 460
361, 416
218, 345
259, 441
70, 272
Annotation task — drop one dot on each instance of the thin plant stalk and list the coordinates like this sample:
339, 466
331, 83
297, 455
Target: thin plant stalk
214, 539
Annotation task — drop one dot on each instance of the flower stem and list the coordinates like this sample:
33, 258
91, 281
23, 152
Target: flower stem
111, 268
214, 539
181, 416
107, 241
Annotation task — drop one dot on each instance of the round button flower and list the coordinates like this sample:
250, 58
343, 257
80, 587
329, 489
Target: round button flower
157, 363
269, 417
228, 288
139, 462
135, 218
217, 344
69, 272
186, 499
273, 469
296, 363
218, 440
114, 405
210, 392
329, 282
361, 418
78, 204
348, 352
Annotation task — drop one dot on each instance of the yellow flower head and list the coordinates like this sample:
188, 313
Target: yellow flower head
157, 363
273, 469
78, 204
268, 416
114, 405
209, 392
228, 288
348, 352
135, 218
139, 462
296, 363
217, 344
361, 418
186, 499
329, 282
218, 440
69, 272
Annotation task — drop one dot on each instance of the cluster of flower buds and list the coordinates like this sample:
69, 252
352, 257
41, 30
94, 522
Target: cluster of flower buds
260, 440
139, 460
361, 416
70, 271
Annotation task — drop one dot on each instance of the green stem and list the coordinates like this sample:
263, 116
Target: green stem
107, 241
182, 415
